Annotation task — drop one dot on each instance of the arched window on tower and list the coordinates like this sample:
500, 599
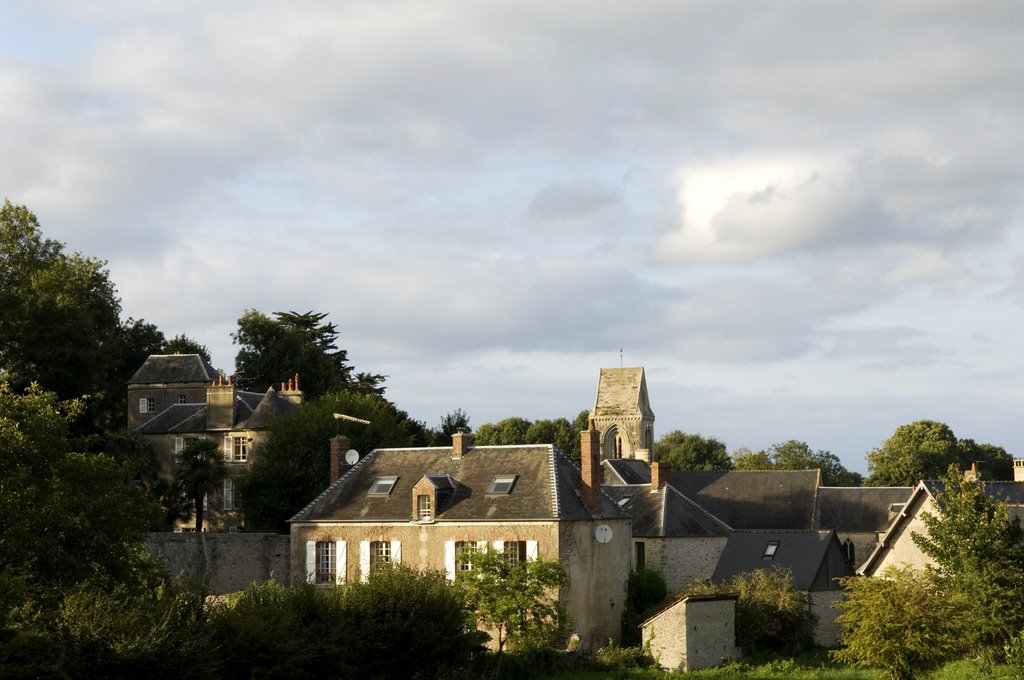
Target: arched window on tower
618, 446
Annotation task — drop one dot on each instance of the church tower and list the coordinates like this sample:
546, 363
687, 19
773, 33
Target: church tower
622, 414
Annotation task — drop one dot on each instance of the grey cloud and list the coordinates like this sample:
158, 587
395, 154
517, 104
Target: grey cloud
568, 200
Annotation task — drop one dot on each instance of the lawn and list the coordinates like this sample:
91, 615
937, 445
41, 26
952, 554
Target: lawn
811, 665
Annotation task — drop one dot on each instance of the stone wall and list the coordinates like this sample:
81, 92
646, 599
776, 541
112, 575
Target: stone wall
685, 560
693, 633
226, 563
822, 604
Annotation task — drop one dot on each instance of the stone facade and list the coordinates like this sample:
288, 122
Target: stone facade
823, 606
682, 561
693, 633
227, 563
897, 547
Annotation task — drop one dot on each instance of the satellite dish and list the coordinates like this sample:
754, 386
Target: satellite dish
351, 457
603, 533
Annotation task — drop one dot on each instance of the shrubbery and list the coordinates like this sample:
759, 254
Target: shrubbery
647, 591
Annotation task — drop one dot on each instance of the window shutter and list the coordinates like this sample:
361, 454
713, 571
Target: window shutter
531, 550
143, 405
396, 552
481, 545
227, 447
179, 444
340, 562
499, 545
449, 559
229, 496
310, 561
364, 559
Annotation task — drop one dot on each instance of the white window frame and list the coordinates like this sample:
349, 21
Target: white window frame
424, 509
229, 493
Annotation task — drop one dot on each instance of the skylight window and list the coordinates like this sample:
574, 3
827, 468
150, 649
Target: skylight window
624, 500
769, 550
502, 484
382, 486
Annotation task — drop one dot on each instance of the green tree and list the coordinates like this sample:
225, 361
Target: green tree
505, 432
516, 600
293, 466
685, 451
201, 472
65, 517
452, 422
272, 350
920, 450
901, 622
771, 614
745, 459
994, 462
978, 552
183, 344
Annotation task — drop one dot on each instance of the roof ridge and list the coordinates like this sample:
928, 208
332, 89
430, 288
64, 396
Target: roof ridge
698, 506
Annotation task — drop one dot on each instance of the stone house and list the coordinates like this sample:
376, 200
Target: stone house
176, 399
816, 559
897, 547
697, 631
423, 506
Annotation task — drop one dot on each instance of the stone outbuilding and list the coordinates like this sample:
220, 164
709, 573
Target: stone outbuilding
694, 632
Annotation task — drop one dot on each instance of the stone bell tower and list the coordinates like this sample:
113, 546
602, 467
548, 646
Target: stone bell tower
622, 414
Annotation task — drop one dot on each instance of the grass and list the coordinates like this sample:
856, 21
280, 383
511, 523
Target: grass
811, 665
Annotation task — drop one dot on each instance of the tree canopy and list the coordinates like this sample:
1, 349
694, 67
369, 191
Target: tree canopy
65, 517
274, 349
797, 455
684, 451
293, 466
516, 430
925, 449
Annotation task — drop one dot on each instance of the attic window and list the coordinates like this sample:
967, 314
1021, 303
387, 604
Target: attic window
382, 486
769, 550
502, 484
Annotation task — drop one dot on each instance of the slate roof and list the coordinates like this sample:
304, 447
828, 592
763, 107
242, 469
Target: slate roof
857, 509
815, 558
665, 513
252, 411
621, 391
1011, 493
547, 486
626, 471
754, 499
174, 368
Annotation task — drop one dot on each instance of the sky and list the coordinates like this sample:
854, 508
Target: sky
804, 219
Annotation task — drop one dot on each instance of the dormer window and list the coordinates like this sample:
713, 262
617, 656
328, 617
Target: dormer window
502, 484
769, 550
423, 507
382, 486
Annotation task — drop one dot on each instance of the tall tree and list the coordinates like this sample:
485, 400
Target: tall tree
685, 451
201, 472
293, 466
60, 324
798, 455
920, 450
272, 350
978, 552
65, 517
452, 422
183, 344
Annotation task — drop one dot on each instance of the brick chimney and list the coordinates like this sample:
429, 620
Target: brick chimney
590, 466
339, 445
461, 443
971, 475
660, 472
1018, 469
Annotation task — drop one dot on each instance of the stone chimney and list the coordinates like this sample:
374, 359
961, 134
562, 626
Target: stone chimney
461, 443
339, 446
590, 466
971, 475
1018, 469
220, 404
660, 473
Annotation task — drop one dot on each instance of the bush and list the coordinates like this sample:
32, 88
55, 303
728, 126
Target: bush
900, 622
614, 657
771, 614
647, 591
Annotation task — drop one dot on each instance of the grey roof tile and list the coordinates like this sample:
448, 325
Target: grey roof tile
174, 368
857, 509
754, 499
814, 557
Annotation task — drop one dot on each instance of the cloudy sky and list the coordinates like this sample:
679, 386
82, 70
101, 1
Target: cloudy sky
803, 218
